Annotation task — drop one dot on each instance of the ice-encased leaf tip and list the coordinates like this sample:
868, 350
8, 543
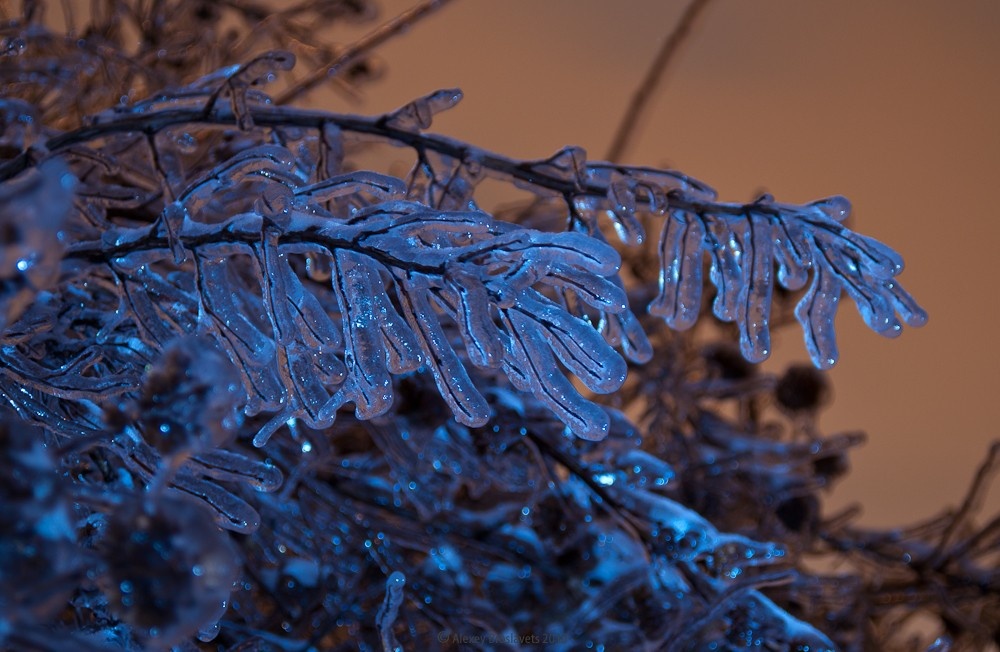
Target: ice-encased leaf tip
418, 114
746, 243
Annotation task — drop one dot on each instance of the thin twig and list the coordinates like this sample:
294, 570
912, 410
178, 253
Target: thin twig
533, 172
972, 498
360, 48
640, 99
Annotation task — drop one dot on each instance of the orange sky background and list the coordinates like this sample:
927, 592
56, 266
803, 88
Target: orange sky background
893, 103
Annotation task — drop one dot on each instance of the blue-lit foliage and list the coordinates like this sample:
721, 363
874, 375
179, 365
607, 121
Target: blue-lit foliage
386, 398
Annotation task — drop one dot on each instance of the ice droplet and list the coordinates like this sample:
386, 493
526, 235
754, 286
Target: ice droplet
318, 268
187, 143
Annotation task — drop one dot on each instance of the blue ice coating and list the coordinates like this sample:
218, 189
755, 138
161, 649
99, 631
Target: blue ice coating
450, 375
300, 363
745, 244
357, 286
382, 186
577, 345
264, 161
387, 613
485, 267
568, 164
418, 114
622, 197
327, 287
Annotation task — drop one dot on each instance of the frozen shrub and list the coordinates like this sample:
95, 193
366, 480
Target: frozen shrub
269, 400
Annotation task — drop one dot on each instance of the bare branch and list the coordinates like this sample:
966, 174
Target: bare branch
647, 87
357, 50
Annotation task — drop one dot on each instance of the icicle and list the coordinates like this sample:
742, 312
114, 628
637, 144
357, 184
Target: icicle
754, 307
816, 312
679, 300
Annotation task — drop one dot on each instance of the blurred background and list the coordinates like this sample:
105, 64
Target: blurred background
893, 103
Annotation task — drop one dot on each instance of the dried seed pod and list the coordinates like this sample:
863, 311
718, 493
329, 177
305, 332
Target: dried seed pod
802, 388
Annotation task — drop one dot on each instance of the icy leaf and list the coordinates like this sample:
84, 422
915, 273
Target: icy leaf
418, 114
222, 464
755, 295
745, 242
390, 608
725, 272
596, 291
679, 300
635, 345
483, 339
452, 379
875, 308
622, 196
816, 312
792, 254
312, 322
357, 284
403, 352
535, 366
244, 341
230, 511
529, 255
576, 344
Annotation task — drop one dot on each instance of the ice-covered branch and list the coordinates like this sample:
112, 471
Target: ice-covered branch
745, 242
396, 268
